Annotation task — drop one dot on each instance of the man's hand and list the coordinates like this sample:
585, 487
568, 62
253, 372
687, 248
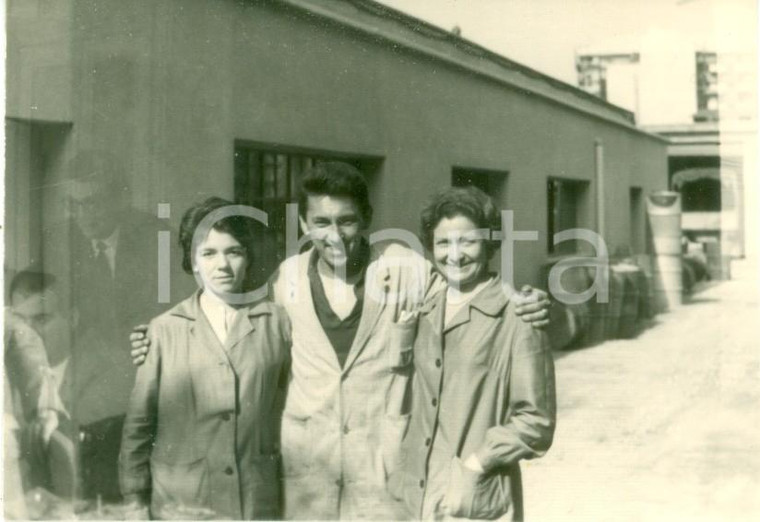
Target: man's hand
532, 305
39, 432
140, 344
48, 421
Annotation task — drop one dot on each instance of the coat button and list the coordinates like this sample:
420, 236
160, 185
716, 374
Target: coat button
225, 416
438, 363
428, 441
422, 483
339, 482
346, 429
434, 402
228, 470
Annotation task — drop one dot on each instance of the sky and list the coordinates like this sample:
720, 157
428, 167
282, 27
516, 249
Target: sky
544, 34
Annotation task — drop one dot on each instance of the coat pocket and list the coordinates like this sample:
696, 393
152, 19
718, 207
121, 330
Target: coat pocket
267, 487
177, 487
296, 446
475, 495
401, 348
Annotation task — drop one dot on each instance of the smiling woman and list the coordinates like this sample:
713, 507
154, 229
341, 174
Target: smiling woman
456, 228
460, 252
491, 389
200, 437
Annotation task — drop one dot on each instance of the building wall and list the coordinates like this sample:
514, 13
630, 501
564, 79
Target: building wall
38, 58
167, 87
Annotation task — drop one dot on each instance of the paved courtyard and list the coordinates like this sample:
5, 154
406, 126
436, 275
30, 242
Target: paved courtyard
662, 427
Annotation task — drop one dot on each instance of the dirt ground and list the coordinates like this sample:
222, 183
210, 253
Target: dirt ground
662, 427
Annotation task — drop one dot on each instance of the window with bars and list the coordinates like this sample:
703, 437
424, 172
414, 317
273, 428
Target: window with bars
492, 182
268, 178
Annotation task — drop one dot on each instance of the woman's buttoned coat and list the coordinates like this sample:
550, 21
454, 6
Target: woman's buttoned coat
484, 386
202, 429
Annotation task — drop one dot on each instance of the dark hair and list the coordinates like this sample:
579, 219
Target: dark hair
336, 178
239, 227
31, 282
470, 202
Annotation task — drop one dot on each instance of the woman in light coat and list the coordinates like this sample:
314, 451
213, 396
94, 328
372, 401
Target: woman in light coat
201, 435
483, 394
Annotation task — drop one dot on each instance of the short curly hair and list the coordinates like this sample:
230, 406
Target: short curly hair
239, 227
470, 202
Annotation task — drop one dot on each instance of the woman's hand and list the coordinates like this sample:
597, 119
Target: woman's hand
473, 464
463, 476
140, 344
532, 305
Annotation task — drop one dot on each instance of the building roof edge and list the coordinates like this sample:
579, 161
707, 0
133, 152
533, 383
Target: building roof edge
424, 38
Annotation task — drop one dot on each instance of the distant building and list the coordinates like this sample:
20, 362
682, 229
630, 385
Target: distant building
703, 100
611, 77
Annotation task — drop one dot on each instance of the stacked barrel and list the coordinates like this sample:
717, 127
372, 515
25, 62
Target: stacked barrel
620, 316
639, 286
664, 211
718, 264
629, 279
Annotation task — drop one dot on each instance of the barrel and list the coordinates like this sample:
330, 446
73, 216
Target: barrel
569, 322
718, 265
646, 295
614, 306
688, 276
595, 316
630, 300
645, 286
664, 212
668, 283
564, 326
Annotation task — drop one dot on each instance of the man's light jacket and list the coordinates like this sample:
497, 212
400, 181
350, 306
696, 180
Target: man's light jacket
342, 427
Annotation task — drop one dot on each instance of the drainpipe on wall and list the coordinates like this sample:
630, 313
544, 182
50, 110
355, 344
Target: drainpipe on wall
599, 178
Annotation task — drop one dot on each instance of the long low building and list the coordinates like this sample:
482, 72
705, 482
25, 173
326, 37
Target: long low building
236, 97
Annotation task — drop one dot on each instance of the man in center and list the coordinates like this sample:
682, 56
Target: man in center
344, 415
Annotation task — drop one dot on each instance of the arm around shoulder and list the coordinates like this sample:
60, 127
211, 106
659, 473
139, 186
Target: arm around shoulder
141, 422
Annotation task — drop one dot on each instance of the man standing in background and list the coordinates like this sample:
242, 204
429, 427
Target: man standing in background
112, 250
